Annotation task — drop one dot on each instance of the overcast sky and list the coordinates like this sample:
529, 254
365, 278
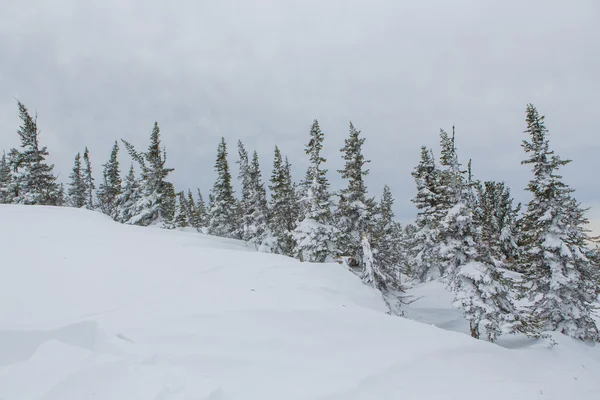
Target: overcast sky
262, 70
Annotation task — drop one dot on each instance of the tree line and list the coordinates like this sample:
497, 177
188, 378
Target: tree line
512, 269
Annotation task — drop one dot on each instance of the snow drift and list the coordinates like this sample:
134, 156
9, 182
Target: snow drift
90, 309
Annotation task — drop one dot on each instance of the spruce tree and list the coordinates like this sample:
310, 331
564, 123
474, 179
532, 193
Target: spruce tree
110, 188
5, 181
202, 212
387, 240
354, 215
156, 204
77, 189
181, 214
315, 233
193, 217
424, 241
60, 199
283, 205
244, 205
560, 279
255, 220
128, 198
33, 180
222, 212
88, 180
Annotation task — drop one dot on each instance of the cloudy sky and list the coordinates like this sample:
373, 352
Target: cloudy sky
262, 70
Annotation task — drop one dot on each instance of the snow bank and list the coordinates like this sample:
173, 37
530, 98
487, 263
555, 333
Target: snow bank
90, 309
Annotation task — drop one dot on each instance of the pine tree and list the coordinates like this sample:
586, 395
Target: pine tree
156, 204
222, 205
424, 241
315, 233
88, 180
254, 222
202, 212
110, 188
193, 218
354, 215
5, 181
77, 190
388, 240
244, 204
128, 198
33, 181
283, 206
497, 219
60, 198
559, 276
181, 213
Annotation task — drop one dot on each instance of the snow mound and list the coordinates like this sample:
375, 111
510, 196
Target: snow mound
90, 309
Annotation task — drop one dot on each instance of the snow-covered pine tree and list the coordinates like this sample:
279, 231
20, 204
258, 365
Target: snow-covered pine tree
77, 189
33, 180
497, 219
472, 268
243, 206
181, 213
128, 198
88, 180
387, 239
559, 276
315, 233
60, 198
156, 204
423, 257
354, 214
110, 188
284, 209
5, 181
202, 212
193, 218
222, 205
254, 222
375, 274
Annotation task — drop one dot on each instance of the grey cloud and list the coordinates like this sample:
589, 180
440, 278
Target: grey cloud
261, 70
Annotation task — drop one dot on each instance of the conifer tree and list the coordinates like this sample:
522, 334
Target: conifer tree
88, 180
497, 219
255, 220
283, 206
244, 204
387, 239
223, 204
110, 188
424, 241
77, 190
5, 181
315, 233
354, 215
202, 212
60, 199
559, 276
193, 218
181, 214
33, 180
128, 198
156, 204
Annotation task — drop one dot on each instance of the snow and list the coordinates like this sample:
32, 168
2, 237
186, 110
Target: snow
91, 309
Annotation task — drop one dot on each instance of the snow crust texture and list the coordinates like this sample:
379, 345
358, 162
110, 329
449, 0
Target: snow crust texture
91, 309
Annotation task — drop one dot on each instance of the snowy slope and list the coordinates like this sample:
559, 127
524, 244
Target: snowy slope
90, 309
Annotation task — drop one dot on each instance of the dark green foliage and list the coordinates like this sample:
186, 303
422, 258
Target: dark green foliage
5, 181
354, 215
77, 190
110, 188
284, 205
33, 180
156, 203
88, 180
222, 205
560, 279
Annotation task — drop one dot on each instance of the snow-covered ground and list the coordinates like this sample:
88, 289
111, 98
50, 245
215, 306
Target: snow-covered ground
90, 309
